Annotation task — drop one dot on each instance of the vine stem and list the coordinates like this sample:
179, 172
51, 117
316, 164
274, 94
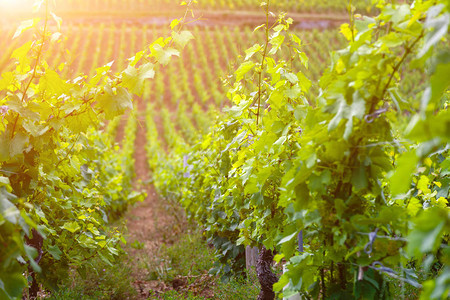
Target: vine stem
38, 57
68, 152
262, 63
397, 66
352, 23
408, 50
322, 277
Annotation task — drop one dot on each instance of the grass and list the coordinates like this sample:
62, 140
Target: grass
179, 270
185, 265
101, 281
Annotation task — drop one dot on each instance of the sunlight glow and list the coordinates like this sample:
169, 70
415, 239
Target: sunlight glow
15, 4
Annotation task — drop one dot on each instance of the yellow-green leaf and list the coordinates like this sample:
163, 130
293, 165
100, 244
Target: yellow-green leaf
71, 226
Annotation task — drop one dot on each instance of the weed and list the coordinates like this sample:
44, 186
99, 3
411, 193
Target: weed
185, 266
101, 281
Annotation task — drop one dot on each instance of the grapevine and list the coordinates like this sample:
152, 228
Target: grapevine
351, 169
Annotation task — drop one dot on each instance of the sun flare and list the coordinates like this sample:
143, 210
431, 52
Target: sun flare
5, 4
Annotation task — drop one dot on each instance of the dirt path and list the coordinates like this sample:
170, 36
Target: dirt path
150, 223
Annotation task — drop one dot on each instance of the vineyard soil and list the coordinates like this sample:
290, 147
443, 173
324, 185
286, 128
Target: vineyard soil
151, 222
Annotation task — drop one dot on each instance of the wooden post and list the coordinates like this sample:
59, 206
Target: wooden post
251, 256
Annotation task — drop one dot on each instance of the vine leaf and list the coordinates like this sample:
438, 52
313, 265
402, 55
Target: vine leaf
115, 104
18, 144
32, 253
182, 38
54, 251
12, 284
163, 55
52, 83
25, 25
252, 50
401, 179
440, 80
243, 69
71, 226
35, 129
425, 238
287, 238
439, 25
133, 78
8, 210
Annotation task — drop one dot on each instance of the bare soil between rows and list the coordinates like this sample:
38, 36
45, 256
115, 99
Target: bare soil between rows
148, 220
152, 223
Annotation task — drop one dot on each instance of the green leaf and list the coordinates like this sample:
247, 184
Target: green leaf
55, 251
296, 39
16, 104
400, 13
162, 55
287, 238
341, 106
293, 92
25, 25
401, 179
134, 78
304, 82
281, 283
303, 199
438, 25
14, 283
359, 178
174, 23
423, 183
441, 288
440, 80
291, 77
32, 253
393, 39
33, 129
115, 103
259, 27
79, 123
252, 50
18, 144
52, 83
243, 69
8, 210
21, 54
346, 31
37, 4
319, 182
357, 109
182, 38
334, 151
57, 20
428, 230
311, 161
71, 226
276, 43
